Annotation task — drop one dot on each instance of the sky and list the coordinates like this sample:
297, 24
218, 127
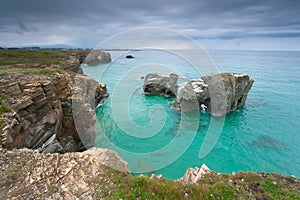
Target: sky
214, 24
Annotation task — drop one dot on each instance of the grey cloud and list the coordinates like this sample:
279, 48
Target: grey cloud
86, 20
22, 28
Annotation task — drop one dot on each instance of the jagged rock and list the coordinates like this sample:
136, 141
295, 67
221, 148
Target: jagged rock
42, 107
28, 174
96, 57
51, 146
193, 175
155, 84
156, 176
220, 93
109, 158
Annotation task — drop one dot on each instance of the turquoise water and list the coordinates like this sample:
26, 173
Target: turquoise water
264, 135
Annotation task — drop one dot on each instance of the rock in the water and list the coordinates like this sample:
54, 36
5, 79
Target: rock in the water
156, 84
193, 175
220, 93
96, 57
130, 56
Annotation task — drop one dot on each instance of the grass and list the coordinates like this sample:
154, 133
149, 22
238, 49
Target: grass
146, 188
45, 57
213, 186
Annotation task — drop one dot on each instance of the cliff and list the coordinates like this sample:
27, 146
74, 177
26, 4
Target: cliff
40, 99
41, 110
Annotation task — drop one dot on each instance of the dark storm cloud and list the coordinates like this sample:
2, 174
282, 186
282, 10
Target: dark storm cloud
199, 19
22, 28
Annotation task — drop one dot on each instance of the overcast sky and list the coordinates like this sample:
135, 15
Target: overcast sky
232, 24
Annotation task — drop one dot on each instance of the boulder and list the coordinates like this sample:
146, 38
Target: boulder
96, 57
156, 84
220, 93
130, 56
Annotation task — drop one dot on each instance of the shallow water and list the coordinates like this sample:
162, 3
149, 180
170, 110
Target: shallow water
261, 136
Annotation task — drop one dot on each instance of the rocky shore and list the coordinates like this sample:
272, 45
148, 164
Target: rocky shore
39, 156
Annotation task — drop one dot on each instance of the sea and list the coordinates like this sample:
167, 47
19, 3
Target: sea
153, 137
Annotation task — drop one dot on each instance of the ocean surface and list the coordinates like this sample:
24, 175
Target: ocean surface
147, 132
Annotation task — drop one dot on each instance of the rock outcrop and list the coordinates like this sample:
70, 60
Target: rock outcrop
156, 84
193, 175
220, 93
109, 158
41, 110
96, 57
27, 174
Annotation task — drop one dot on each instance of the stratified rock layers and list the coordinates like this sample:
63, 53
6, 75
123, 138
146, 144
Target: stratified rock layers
41, 105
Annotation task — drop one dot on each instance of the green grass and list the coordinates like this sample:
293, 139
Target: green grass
213, 186
44, 57
11, 57
146, 188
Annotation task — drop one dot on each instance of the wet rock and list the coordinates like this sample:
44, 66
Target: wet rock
220, 93
96, 57
156, 84
130, 56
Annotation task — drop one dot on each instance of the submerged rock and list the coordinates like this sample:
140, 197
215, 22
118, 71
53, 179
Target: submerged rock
156, 84
267, 142
220, 93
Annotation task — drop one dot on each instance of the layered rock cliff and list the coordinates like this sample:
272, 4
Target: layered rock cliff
41, 110
40, 97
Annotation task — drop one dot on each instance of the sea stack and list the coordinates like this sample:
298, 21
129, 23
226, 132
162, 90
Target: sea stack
220, 93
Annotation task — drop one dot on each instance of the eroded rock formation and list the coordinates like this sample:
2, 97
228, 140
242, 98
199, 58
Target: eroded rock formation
155, 84
41, 110
220, 93
193, 175
96, 57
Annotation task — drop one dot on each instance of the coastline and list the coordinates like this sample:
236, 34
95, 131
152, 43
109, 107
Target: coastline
14, 176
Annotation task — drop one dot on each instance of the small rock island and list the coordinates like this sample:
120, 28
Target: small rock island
219, 93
